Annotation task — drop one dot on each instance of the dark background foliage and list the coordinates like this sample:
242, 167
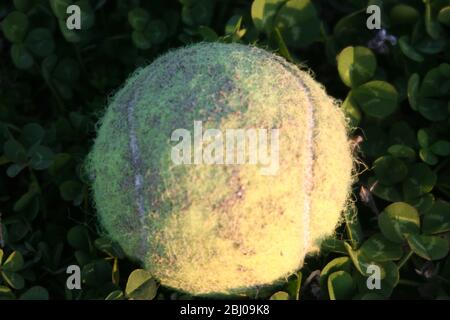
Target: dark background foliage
395, 84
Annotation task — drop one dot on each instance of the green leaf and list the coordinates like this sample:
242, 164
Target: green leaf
360, 261
341, 286
397, 220
433, 109
198, 13
59, 8
280, 295
337, 264
14, 151
294, 285
15, 26
141, 285
40, 42
22, 5
97, 273
413, 89
298, 23
428, 156
115, 295
351, 110
6, 293
437, 219
428, 45
263, 13
431, 25
156, 31
388, 193
138, 18
42, 158
441, 148
403, 14
14, 262
402, 133
33, 133
423, 176
378, 99
13, 279
1, 256
25, 200
35, 293
443, 183
140, 40
408, 50
109, 247
376, 141
115, 272
421, 179
21, 57
431, 84
381, 249
283, 49
78, 238
389, 280
207, 34
402, 152
233, 25
352, 226
390, 170
331, 244
352, 28
444, 16
422, 203
424, 137
428, 247
356, 65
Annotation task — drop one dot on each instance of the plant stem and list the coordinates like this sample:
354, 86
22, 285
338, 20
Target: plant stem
405, 259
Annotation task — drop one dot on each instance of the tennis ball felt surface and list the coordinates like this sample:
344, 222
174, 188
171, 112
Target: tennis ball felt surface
208, 229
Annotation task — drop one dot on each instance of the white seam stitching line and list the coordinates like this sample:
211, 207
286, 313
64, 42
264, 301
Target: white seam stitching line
136, 161
308, 183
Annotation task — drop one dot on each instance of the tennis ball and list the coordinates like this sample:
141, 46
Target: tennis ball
209, 223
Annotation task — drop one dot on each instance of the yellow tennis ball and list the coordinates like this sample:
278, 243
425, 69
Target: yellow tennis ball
220, 166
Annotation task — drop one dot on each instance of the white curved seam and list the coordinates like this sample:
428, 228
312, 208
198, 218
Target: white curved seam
308, 181
136, 162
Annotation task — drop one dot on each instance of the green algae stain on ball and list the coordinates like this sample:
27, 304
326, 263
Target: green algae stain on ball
225, 226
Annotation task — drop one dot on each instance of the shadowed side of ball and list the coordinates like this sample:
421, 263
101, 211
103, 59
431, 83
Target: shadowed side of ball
220, 228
